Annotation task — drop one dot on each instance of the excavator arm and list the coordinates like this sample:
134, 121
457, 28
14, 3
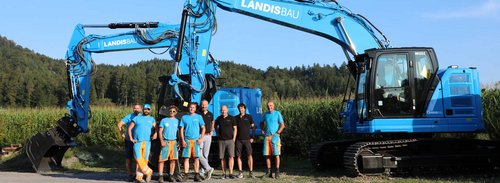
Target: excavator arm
327, 19
46, 149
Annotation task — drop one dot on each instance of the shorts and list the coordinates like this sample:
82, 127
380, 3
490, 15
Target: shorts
141, 150
169, 152
240, 144
226, 144
272, 146
192, 149
129, 149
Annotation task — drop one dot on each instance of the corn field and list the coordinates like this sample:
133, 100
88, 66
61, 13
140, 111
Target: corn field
308, 121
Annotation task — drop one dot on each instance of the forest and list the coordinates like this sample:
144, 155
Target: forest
30, 79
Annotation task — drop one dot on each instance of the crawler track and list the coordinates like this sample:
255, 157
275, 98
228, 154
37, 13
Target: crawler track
401, 155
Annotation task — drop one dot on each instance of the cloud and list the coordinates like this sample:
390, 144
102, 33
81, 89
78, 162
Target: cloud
487, 9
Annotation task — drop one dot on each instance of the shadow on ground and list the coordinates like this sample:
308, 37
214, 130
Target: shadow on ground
106, 164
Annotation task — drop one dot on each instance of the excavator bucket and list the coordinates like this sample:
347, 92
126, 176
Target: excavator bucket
46, 149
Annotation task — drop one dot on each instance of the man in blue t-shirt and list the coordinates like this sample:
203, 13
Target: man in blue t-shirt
141, 137
129, 146
191, 139
168, 138
272, 127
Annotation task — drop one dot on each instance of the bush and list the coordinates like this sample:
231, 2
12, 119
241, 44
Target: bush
309, 121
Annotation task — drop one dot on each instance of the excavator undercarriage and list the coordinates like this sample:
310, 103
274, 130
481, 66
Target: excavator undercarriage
384, 157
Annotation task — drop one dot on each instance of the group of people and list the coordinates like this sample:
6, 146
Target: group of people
195, 130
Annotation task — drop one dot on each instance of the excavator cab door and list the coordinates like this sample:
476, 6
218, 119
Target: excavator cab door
400, 81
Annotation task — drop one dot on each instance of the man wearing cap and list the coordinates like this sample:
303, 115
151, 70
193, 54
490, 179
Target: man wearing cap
191, 139
208, 118
141, 137
129, 146
168, 139
273, 126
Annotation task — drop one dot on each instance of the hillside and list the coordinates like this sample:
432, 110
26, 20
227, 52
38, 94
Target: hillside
29, 79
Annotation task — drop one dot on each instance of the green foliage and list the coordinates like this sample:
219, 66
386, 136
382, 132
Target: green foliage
309, 121
491, 114
19, 124
28, 79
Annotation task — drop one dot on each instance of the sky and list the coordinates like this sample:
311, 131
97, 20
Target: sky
462, 32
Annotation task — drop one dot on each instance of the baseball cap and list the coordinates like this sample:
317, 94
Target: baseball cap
147, 106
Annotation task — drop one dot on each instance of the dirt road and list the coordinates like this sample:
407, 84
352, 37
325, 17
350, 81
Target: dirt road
60, 177
17, 177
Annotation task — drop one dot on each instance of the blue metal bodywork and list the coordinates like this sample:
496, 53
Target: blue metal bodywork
231, 97
323, 18
455, 106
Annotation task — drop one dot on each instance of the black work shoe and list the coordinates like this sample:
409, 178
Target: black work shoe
277, 173
177, 177
197, 177
184, 177
268, 174
170, 178
130, 178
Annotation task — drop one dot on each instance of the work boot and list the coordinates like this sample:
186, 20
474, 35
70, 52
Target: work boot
277, 173
130, 178
251, 175
268, 174
184, 177
160, 179
177, 177
148, 177
170, 178
197, 177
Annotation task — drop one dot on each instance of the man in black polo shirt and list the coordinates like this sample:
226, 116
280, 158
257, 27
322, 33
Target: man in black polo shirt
244, 123
225, 126
208, 118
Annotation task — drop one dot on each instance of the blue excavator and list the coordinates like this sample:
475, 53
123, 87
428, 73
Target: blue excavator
399, 101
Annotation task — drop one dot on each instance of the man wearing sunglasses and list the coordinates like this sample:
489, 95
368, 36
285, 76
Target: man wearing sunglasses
168, 138
208, 118
191, 139
141, 137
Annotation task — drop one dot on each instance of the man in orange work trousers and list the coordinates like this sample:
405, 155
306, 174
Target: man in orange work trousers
140, 128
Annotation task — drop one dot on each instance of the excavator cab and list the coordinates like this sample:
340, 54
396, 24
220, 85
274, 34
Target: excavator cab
401, 85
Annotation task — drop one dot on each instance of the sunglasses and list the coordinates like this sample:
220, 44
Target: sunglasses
172, 111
